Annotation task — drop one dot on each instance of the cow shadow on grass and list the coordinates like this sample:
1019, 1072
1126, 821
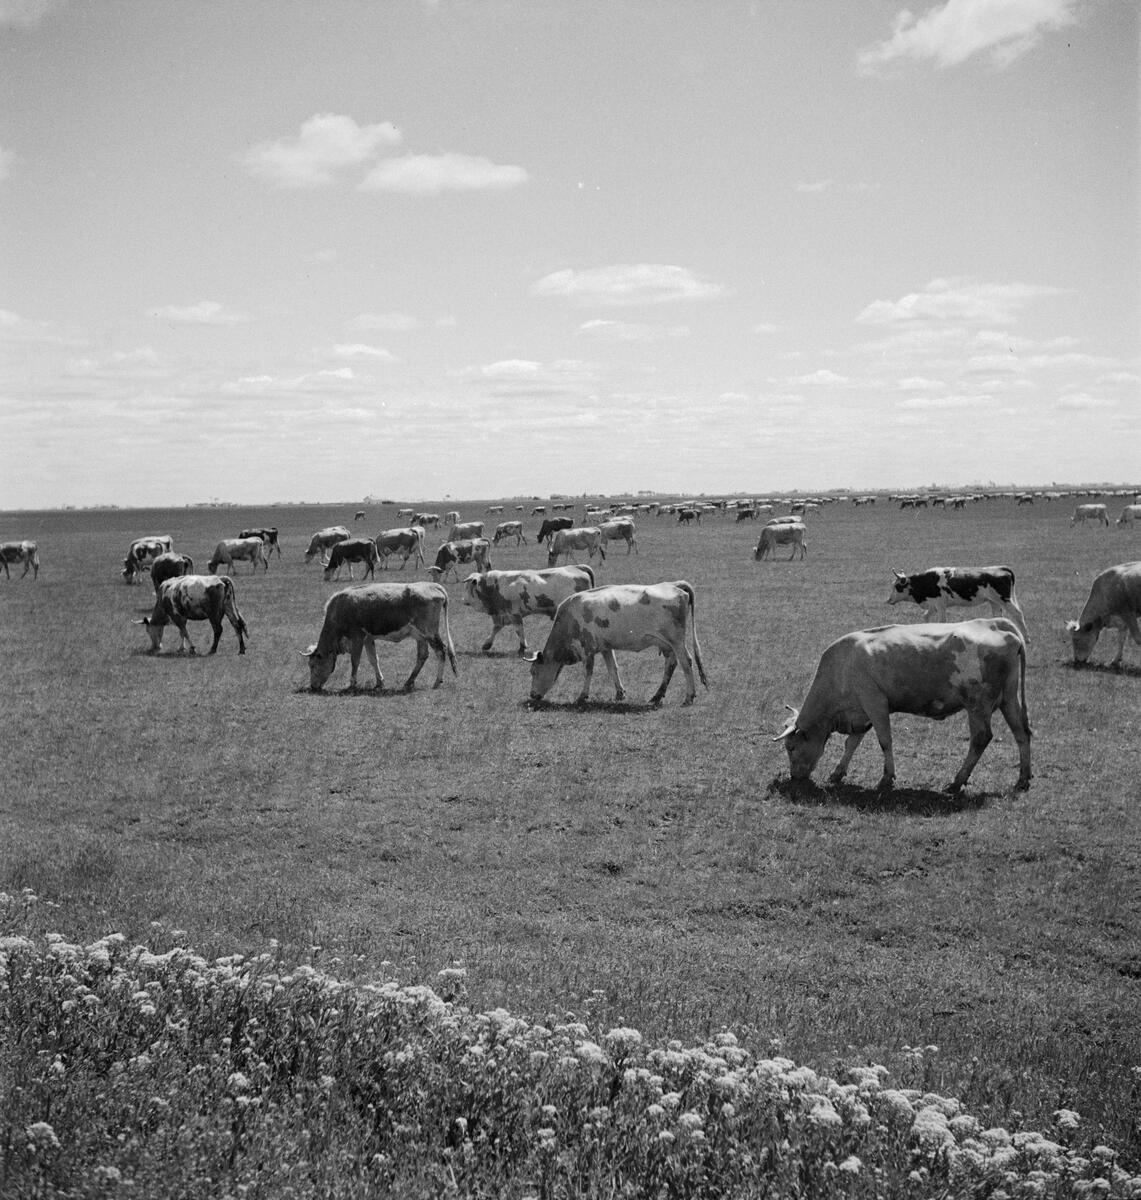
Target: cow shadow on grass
623, 707
359, 693
919, 802
1097, 668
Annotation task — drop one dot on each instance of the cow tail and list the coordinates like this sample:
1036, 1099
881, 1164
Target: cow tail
688, 589
1022, 684
589, 574
230, 605
449, 649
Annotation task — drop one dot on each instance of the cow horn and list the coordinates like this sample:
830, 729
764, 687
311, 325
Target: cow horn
899, 574
309, 652
790, 726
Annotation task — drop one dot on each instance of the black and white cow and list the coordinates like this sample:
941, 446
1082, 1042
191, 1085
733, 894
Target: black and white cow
470, 550
195, 598
939, 588
352, 550
142, 552
12, 553
509, 596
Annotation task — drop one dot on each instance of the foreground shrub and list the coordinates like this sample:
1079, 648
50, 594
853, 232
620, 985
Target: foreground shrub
126, 1071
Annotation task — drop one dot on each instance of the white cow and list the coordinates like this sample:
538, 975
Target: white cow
620, 530
320, 542
232, 550
27, 553
1090, 512
620, 617
406, 541
1130, 514
507, 529
564, 542
509, 596
781, 533
1115, 603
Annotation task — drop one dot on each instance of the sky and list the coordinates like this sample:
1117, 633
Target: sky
263, 251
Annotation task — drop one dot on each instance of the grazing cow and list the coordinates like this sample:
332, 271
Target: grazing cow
451, 517
269, 536
1023, 498
355, 617
494, 508
358, 515
426, 519
620, 530
624, 616
781, 533
927, 670
746, 514
406, 541
170, 566
20, 552
361, 550
508, 529
1114, 602
1090, 512
509, 596
685, 515
551, 526
1130, 514
567, 541
470, 550
465, 529
195, 598
940, 588
320, 542
540, 510
405, 512
232, 550
142, 552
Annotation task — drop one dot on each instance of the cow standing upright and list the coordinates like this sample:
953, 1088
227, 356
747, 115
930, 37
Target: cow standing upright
620, 617
464, 530
927, 670
1090, 512
320, 542
20, 552
939, 588
509, 596
352, 550
1114, 602
355, 617
621, 529
566, 541
268, 535
195, 598
406, 541
232, 550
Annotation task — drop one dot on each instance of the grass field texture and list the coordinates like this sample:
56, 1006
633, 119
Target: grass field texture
631, 866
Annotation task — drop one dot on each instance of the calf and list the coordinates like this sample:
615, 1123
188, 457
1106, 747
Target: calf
927, 670
142, 552
620, 617
357, 616
232, 550
359, 550
170, 566
20, 552
195, 598
567, 541
940, 588
782, 532
470, 550
508, 529
1114, 602
509, 596
320, 542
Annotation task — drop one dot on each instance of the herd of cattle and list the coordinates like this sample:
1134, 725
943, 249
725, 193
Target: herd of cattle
935, 669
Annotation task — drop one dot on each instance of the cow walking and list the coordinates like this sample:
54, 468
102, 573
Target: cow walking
357, 616
509, 596
620, 617
927, 670
940, 588
12, 553
195, 598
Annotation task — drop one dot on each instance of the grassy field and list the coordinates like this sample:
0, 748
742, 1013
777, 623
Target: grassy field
631, 866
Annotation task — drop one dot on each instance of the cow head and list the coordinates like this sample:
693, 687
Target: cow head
471, 589
804, 749
544, 672
1084, 638
155, 629
320, 667
899, 588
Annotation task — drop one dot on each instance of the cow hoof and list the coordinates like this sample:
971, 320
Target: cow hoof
835, 779
953, 789
438, 683
1023, 785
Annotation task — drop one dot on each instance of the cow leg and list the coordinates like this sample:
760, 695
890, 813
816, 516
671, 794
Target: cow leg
184, 638
981, 736
876, 710
671, 658
356, 645
437, 644
1015, 717
616, 679
587, 675
851, 745
517, 622
1115, 662
370, 650
421, 659
216, 626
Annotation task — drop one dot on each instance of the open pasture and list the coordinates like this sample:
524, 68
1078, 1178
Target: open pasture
639, 866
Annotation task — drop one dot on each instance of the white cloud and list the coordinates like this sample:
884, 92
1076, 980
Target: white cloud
385, 322
950, 33
957, 300
431, 174
325, 144
952, 401
820, 185
1083, 400
821, 378
360, 350
641, 283
338, 379
628, 331
205, 312
766, 327
26, 13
